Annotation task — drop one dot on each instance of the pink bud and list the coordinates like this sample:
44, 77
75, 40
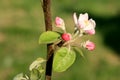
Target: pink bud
89, 45
66, 36
59, 22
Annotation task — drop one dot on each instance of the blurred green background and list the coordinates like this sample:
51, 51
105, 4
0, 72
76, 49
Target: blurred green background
22, 21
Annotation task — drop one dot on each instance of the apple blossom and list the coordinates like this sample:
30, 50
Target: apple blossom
59, 22
66, 36
87, 25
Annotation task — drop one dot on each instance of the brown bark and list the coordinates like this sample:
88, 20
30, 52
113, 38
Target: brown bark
48, 26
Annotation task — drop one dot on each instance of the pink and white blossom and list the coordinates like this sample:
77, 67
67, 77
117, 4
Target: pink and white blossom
59, 22
87, 25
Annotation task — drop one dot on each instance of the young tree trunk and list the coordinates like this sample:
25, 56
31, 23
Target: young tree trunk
48, 25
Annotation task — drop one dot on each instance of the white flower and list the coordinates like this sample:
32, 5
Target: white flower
88, 25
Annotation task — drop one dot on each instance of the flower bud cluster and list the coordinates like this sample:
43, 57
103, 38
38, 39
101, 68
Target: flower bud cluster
83, 26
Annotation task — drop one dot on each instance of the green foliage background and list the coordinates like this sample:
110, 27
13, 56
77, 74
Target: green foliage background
22, 21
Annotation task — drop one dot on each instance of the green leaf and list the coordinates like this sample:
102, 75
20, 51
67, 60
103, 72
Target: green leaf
35, 75
63, 59
49, 37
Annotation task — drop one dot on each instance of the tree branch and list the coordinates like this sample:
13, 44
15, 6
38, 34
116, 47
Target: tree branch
48, 27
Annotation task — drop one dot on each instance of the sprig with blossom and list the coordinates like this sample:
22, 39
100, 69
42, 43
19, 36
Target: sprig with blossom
83, 26
63, 46
64, 43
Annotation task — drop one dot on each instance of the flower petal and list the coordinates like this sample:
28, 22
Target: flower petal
90, 32
83, 17
90, 25
75, 19
92, 22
